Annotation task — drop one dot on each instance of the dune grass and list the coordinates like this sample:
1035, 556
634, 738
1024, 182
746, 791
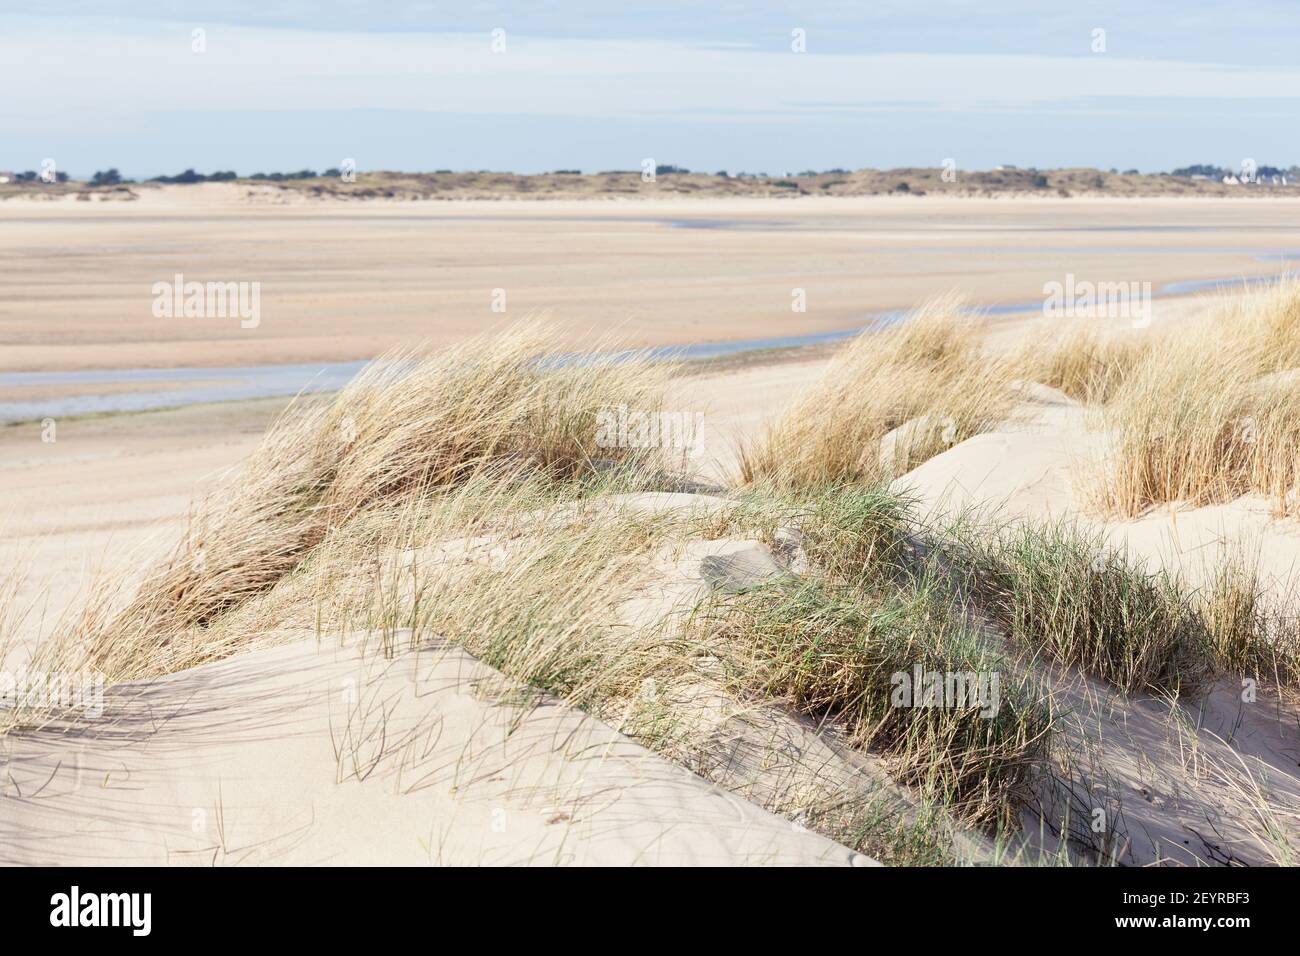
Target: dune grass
825, 646
537, 584
540, 588
1249, 632
1213, 414
1058, 589
832, 654
1087, 364
853, 532
928, 373
407, 426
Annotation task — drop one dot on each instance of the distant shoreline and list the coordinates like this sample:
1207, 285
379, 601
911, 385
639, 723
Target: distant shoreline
905, 183
346, 281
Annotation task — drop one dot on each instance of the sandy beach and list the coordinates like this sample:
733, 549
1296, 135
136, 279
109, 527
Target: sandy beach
345, 281
348, 281
109, 495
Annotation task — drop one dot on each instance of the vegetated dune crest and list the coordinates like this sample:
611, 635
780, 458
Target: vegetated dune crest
436, 620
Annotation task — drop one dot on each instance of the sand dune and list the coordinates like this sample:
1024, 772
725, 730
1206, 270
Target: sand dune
1174, 787
310, 754
325, 745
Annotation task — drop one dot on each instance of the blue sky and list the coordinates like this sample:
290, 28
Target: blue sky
604, 85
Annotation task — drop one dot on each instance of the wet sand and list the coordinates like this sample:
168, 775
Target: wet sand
345, 281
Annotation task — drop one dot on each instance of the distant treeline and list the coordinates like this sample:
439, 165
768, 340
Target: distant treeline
31, 176
190, 176
1210, 171
111, 177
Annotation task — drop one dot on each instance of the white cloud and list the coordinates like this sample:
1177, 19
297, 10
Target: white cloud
74, 69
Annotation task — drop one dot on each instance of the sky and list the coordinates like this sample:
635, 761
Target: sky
606, 84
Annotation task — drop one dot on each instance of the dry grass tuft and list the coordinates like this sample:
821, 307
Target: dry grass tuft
835, 654
409, 425
928, 373
1213, 414
1249, 633
1088, 365
1059, 590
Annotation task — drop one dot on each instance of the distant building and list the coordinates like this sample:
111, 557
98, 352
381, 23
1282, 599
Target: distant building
7, 177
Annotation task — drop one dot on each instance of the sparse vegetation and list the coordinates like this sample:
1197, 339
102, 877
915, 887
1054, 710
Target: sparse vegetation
1086, 364
1211, 415
679, 181
927, 377
411, 423
1249, 632
836, 655
462, 496
1061, 591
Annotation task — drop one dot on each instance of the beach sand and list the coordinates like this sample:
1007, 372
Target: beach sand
111, 494
347, 280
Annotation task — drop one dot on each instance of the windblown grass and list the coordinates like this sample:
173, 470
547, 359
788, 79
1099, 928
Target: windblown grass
838, 655
1213, 414
1088, 365
14, 612
1059, 590
407, 426
828, 651
539, 588
927, 373
1249, 631
854, 533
